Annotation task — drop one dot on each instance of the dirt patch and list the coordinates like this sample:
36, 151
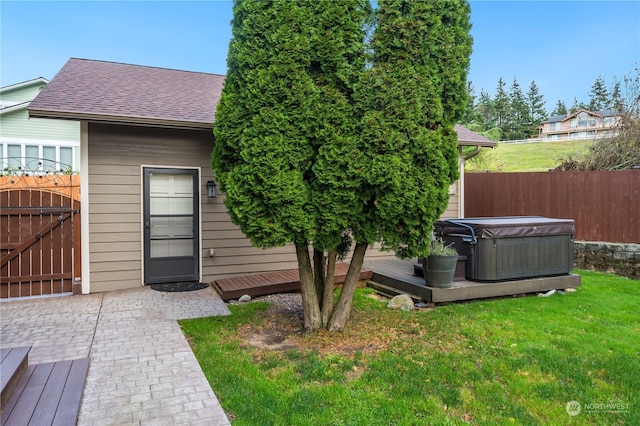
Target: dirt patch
269, 338
280, 328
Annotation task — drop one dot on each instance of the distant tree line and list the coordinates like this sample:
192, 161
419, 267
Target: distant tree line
515, 114
600, 98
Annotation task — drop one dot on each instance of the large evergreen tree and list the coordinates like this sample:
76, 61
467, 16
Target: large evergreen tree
518, 118
577, 106
560, 108
617, 102
471, 115
537, 111
501, 105
487, 111
316, 149
599, 95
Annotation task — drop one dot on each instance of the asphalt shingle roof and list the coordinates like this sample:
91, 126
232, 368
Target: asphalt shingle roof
106, 91
122, 93
468, 137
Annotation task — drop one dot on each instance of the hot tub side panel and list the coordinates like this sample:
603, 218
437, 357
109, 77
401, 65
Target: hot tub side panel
525, 257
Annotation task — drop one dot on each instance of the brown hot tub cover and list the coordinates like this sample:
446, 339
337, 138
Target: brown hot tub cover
506, 227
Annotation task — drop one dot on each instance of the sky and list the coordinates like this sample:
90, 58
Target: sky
564, 46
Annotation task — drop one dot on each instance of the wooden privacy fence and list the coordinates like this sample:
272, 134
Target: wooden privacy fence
604, 204
40, 238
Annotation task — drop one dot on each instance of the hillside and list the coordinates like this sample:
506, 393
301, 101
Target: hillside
530, 157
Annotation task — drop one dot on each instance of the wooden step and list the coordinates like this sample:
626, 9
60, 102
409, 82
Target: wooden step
13, 364
47, 394
390, 292
273, 282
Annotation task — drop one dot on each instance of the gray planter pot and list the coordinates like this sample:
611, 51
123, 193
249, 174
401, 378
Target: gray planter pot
439, 270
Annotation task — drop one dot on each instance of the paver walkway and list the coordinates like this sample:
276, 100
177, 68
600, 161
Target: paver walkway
142, 370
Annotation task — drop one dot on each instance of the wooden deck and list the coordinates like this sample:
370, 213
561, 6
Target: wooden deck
272, 282
41, 394
395, 275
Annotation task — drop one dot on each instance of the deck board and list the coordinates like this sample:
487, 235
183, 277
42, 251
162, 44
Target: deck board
48, 393
69, 407
27, 400
272, 282
45, 410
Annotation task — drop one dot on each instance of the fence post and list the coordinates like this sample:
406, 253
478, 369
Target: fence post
77, 236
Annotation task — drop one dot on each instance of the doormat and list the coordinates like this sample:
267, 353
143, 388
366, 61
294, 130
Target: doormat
186, 286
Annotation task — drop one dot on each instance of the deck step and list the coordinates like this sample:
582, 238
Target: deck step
13, 364
390, 292
273, 282
47, 394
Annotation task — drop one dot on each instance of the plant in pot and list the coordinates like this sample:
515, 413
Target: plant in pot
440, 266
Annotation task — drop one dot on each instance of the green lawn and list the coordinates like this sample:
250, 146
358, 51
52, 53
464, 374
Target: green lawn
529, 157
505, 361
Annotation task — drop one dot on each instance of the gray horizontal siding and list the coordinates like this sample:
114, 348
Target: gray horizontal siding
453, 207
107, 228
126, 265
116, 154
116, 246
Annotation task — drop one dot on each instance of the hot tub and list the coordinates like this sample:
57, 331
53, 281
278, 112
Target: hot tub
511, 248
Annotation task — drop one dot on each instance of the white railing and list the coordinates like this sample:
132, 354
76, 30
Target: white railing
558, 139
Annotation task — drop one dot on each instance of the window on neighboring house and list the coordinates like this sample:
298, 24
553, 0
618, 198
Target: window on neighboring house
32, 156
555, 126
66, 158
14, 156
578, 135
39, 158
49, 158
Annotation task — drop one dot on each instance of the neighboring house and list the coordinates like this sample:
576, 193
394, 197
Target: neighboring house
34, 145
146, 142
581, 124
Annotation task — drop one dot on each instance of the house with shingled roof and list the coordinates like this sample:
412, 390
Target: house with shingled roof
150, 213
581, 124
36, 145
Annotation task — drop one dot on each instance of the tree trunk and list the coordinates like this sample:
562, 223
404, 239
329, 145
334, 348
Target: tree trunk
310, 305
342, 309
329, 287
318, 274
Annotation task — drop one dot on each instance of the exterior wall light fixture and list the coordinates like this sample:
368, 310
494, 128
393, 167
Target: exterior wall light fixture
211, 189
